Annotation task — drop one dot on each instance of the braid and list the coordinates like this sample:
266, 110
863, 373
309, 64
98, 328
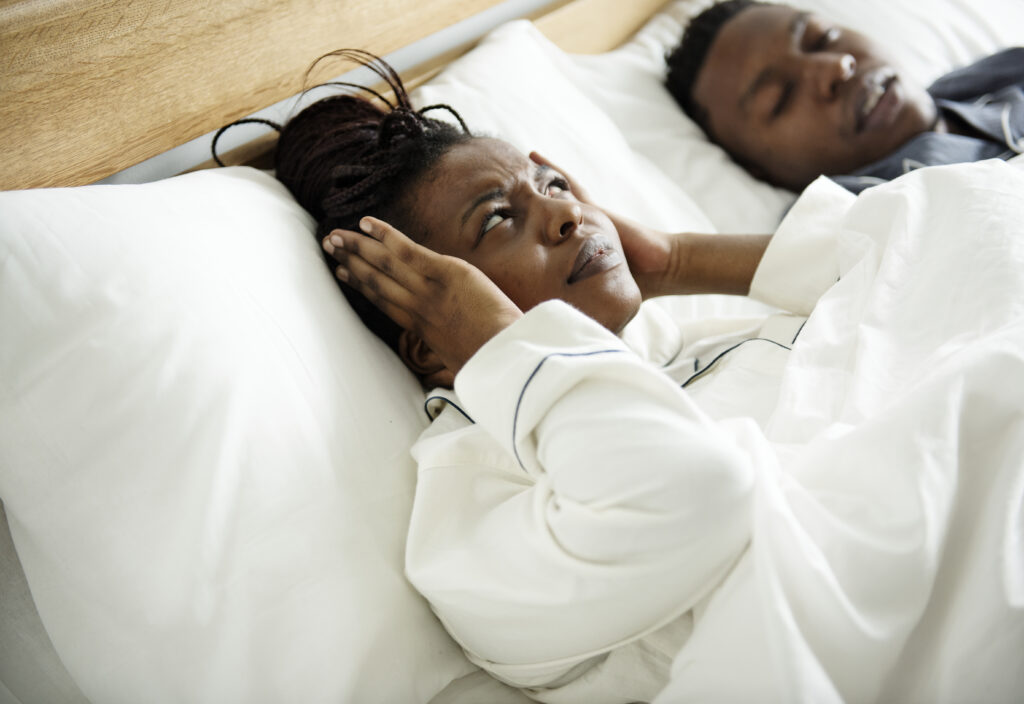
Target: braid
345, 156
687, 58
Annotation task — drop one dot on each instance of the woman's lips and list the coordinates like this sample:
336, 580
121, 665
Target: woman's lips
595, 256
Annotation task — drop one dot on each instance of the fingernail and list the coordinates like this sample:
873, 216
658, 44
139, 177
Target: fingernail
366, 226
336, 241
341, 273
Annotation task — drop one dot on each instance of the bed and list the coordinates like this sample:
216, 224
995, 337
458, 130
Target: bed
203, 455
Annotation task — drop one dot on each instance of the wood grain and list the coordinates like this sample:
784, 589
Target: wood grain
596, 26
91, 87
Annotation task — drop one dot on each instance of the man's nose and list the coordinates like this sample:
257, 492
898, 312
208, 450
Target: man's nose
827, 71
562, 218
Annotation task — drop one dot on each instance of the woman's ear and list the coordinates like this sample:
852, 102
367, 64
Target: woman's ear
423, 361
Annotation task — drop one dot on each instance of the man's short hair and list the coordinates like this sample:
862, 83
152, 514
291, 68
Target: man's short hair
687, 58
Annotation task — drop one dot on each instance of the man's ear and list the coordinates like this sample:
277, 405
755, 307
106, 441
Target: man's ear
423, 361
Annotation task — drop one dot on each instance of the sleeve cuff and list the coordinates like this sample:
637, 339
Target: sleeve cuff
801, 262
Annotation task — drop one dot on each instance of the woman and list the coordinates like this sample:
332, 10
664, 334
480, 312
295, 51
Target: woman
580, 517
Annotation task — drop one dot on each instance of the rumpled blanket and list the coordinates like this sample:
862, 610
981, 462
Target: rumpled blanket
887, 558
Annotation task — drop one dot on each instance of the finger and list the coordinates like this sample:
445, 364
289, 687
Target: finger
344, 244
369, 264
433, 268
574, 186
394, 241
386, 294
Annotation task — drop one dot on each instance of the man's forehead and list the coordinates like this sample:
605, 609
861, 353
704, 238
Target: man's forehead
750, 38
744, 49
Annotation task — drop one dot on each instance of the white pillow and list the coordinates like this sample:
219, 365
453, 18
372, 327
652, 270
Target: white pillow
203, 453
928, 39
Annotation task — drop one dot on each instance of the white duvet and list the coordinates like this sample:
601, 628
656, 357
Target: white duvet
887, 558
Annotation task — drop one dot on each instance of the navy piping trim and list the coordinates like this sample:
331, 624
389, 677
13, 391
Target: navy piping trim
522, 392
798, 331
450, 403
714, 361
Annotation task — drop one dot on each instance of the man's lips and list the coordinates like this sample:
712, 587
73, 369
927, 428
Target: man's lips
596, 255
876, 102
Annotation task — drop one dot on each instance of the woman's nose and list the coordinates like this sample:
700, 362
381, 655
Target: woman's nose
828, 71
563, 217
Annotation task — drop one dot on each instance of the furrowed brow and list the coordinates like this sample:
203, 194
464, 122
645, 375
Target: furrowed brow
798, 25
480, 200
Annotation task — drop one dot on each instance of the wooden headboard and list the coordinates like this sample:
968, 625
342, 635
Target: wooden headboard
91, 87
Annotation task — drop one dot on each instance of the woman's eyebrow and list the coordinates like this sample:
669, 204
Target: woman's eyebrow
493, 194
798, 25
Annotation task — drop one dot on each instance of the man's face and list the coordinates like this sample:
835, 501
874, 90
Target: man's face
518, 222
792, 96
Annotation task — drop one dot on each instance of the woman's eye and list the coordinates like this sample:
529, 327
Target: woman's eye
558, 185
827, 37
492, 221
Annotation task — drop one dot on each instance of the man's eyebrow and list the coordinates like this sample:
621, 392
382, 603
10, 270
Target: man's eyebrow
796, 27
493, 194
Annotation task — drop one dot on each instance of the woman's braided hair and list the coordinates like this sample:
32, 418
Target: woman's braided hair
346, 156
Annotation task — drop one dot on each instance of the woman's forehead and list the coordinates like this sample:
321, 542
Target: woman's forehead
484, 155
483, 165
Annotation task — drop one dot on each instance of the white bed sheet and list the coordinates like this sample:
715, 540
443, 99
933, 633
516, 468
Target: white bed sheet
887, 553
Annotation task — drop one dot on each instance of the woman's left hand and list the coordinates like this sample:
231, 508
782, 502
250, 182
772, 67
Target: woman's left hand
685, 263
649, 253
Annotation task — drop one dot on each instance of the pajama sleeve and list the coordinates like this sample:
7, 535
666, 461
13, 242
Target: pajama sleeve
802, 261
589, 503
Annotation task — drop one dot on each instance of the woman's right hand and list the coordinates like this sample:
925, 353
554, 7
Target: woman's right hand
653, 256
449, 303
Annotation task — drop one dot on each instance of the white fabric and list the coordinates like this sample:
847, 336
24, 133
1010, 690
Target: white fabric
801, 262
887, 560
591, 502
538, 516
203, 454
122, 329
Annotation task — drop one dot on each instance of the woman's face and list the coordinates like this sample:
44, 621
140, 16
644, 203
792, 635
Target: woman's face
487, 203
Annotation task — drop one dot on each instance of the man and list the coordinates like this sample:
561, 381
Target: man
792, 96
